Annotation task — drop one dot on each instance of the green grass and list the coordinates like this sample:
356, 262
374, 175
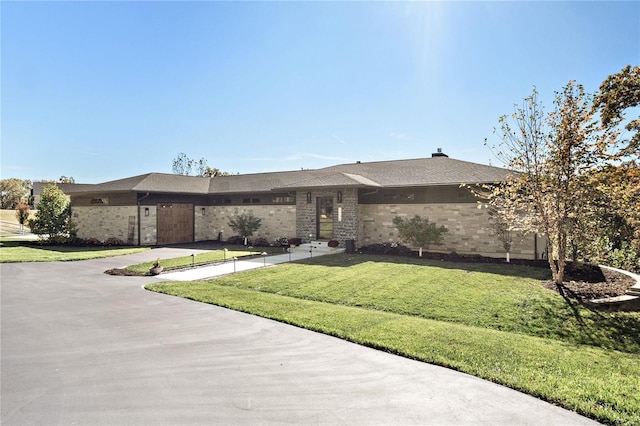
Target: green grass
9, 225
203, 258
492, 321
21, 251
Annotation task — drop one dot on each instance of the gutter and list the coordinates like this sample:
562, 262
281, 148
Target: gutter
139, 220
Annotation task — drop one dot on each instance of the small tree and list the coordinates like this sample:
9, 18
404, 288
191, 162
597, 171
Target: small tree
501, 229
53, 217
419, 231
552, 156
245, 224
22, 214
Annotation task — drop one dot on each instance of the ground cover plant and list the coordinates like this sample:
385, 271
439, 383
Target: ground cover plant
203, 258
490, 320
23, 251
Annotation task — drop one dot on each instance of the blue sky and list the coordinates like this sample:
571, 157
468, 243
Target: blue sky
106, 90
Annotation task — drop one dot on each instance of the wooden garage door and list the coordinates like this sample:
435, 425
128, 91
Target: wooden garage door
175, 223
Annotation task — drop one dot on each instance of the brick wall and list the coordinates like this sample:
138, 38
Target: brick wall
104, 222
468, 227
148, 225
277, 221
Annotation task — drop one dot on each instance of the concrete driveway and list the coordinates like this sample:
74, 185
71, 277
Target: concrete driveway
82, 347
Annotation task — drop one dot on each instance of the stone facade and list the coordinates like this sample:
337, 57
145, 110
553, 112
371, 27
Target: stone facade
468, 227
104, 222
345, 215
148, 225
277, 221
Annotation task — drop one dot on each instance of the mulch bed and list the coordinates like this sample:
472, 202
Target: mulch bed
123, 273
582, 281
600, 284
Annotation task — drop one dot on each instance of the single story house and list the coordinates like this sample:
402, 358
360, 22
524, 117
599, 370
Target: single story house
356, 201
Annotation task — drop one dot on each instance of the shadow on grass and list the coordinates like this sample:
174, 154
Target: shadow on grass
60, 248
346, 260
617, 331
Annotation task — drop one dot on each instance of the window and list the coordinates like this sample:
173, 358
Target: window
283, 199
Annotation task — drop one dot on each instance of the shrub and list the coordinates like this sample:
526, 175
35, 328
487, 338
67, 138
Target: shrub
235, 240
245, 224
260, 242
92, 242
387, 248
281, 241
419, 231
112, 242
295, 241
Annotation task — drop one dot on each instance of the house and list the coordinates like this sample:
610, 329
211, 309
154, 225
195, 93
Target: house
356, 201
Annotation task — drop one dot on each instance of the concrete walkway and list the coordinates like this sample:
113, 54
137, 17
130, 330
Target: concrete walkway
304, 251
82, 347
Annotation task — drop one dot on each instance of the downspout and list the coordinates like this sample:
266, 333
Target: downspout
140, 220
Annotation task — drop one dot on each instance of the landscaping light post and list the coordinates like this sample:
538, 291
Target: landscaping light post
224, 251
234, 264
264, 258
193, 259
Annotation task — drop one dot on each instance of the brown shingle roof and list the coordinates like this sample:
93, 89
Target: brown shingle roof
257, 182
415, 172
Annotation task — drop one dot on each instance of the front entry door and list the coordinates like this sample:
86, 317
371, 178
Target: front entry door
324, 211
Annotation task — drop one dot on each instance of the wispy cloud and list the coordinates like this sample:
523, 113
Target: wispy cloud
401, 136
303, 155
342, 141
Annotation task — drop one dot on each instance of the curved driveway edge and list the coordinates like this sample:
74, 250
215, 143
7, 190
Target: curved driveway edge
82, 347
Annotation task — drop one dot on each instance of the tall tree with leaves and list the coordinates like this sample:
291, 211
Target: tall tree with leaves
618, 182
550, 155
620, 92
53, 218
12, 192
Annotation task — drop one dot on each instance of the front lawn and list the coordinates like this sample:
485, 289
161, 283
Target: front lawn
21, 251
493, 321
214, 256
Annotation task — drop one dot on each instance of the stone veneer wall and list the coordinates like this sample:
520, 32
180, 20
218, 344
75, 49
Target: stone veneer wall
104, 222
277, 221
346, 229
149, 225
468, 226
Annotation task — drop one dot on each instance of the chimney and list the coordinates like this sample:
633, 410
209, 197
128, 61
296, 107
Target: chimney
439, 153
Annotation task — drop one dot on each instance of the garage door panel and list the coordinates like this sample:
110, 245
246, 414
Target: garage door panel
174, 223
